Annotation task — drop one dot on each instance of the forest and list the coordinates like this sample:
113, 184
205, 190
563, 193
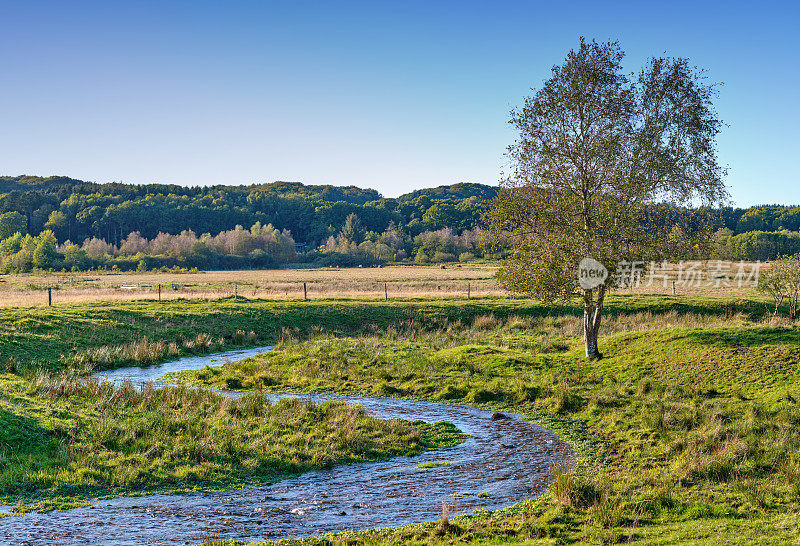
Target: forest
60, 223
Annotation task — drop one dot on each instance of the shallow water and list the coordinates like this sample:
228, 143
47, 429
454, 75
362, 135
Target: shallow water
153, 372
508, 459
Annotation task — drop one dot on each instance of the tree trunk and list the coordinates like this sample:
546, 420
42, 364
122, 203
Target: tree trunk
592, 315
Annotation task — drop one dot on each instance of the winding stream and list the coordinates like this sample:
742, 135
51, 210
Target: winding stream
508, 459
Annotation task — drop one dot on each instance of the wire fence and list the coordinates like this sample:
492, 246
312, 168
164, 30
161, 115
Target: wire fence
72, 292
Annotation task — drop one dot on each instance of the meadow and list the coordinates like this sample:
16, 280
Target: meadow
687, 431
66, 440
408, 281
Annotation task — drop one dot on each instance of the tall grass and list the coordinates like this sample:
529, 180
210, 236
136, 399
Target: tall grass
147, 351
691, 417
131, 438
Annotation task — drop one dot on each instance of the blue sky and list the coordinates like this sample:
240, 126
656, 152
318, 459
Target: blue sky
390, 95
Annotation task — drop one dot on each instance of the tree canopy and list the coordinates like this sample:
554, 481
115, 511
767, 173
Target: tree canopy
598, 151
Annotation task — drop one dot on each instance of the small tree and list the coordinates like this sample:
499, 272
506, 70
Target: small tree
44, 253
351, 231
596, 148
781, 280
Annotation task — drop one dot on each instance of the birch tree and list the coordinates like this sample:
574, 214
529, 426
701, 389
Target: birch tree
596, 147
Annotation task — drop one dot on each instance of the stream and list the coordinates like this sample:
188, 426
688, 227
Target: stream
506, 461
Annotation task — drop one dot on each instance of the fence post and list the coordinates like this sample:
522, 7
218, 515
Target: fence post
159, 292
305, 292
49, 296
469, 291
235, 291
385, 292
673, 288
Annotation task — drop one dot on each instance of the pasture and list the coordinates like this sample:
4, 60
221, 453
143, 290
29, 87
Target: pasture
370, 283
686, 432
410, 281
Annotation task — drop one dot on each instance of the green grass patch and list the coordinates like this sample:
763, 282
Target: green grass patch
110, 334
434, 464
64, 440
688, 430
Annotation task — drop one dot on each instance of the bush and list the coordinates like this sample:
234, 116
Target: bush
444, 257
781, 280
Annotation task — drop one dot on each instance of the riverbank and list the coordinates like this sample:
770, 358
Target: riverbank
504, 461
102, 335
692, 417
67, 440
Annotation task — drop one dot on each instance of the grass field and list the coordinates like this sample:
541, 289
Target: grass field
394, 282
686, 432
287, 284
109, 334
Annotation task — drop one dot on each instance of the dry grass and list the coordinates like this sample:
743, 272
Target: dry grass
485, 322
353, 283
707, 283
398, 282
146, 351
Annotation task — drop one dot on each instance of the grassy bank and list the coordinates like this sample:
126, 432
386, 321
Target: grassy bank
692, 419
64, 440
688, 429
101, 335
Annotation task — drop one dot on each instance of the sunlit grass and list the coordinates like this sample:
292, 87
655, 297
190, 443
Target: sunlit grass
693, 418
686, 431
68, 437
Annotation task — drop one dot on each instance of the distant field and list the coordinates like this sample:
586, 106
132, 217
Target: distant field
360, 283
394, 282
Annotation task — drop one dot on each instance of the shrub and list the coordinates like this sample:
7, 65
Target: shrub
443, 257
782, 282
466, 257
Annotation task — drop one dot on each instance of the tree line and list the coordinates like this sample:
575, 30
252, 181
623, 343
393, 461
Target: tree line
62, 223
75, 210
260, 246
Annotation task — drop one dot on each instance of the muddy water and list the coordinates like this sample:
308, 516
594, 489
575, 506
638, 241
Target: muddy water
506, 459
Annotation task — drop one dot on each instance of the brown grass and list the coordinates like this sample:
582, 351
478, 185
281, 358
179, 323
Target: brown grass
402, 282
352, 283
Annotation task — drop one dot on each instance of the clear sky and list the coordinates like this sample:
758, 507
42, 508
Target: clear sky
390, 95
